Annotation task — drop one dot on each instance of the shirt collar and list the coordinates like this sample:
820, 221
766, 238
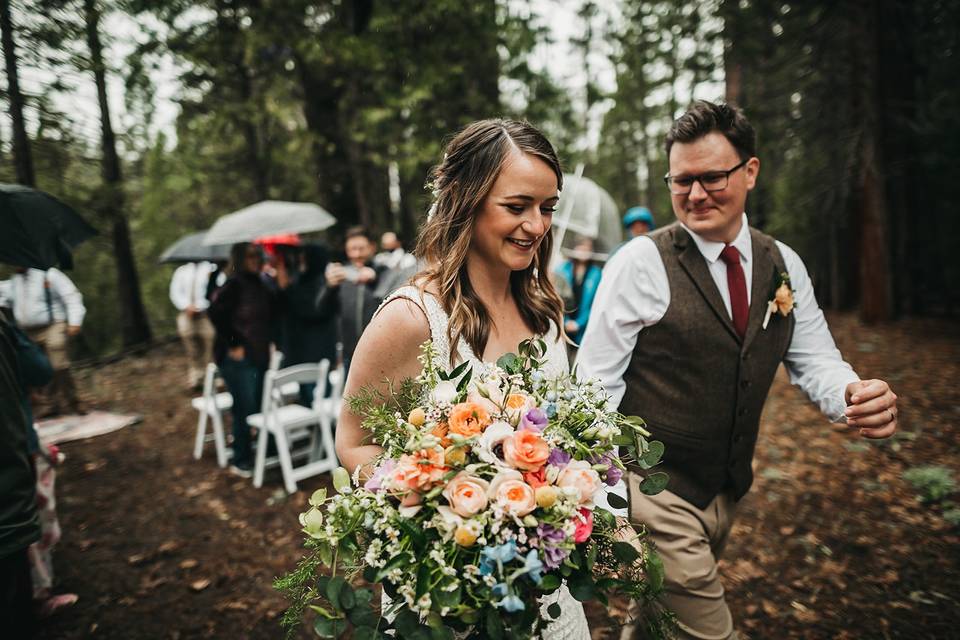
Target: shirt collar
711, 250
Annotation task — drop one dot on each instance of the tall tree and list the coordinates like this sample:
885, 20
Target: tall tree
134, 326
22, 156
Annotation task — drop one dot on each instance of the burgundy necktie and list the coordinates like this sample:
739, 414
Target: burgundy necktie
737, 286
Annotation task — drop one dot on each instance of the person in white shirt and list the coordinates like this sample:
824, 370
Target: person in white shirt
688, 328
49, 308
188, 293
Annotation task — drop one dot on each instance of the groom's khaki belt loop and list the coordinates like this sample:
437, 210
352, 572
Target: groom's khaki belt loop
689, 541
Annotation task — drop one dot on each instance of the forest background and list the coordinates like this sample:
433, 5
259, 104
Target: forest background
347, 103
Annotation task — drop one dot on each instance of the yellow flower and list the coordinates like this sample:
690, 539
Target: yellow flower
783, 299
464, 536
455, 456
546, 496
417, 417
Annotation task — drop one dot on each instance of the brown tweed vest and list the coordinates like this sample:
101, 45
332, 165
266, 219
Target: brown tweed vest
698, 386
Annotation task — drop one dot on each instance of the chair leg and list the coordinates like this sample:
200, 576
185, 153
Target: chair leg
286, 463
326, 433
219, 438
201, 434
261, 461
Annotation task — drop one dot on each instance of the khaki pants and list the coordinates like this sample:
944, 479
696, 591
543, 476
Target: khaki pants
196, 331
689, 541
61, 393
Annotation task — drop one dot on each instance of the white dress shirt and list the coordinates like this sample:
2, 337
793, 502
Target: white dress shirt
26, 294
634, 293
188, 287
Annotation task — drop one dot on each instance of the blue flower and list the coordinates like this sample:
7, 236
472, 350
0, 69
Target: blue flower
511, 604
533, 566
500, 590
551, 410
490, 557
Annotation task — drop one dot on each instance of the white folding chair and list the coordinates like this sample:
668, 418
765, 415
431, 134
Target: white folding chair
211, 406
290, 423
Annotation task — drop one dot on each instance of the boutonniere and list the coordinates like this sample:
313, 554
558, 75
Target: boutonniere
781, 297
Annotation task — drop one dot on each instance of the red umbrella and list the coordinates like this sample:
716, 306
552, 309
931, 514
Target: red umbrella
270, 243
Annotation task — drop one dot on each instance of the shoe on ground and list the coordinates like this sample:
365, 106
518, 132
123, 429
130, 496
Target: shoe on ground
243, 470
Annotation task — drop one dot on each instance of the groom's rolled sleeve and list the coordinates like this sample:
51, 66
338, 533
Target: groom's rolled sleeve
633, 294
813, 361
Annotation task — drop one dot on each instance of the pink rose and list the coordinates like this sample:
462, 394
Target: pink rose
580, 475
584, 524
510, 491
466, 494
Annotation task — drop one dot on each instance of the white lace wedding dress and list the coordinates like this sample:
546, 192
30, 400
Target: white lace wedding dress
572, 623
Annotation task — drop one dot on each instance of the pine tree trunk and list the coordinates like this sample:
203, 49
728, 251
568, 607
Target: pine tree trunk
22, 157
135, 329
871, 214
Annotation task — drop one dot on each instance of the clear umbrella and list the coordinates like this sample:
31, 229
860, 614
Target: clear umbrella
268, 218
586, 209
190, 248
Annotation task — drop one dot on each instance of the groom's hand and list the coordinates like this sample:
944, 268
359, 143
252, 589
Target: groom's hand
872, 408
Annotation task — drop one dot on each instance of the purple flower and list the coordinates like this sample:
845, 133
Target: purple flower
550, 537
534, 420
613, 476
375, 483
559, 458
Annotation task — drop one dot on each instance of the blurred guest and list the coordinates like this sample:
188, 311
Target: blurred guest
638, 221
216, 280
49, 308
392, 254
358, 295
19, 523
188, 293
242, 311
583, 277
308, 321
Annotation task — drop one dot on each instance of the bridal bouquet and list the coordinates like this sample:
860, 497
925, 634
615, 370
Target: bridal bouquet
479, 508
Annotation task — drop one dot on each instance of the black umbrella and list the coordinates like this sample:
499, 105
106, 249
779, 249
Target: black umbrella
37, 230
190, 248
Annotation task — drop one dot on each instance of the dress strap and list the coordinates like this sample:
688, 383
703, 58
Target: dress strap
435, 316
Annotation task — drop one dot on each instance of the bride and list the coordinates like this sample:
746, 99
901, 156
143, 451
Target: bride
485, 287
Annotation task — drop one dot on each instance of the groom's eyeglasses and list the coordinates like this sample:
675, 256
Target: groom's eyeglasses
710, 181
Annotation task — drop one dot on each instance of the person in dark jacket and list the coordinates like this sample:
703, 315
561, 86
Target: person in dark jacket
308, 324
19, 523
358, 292
242, 311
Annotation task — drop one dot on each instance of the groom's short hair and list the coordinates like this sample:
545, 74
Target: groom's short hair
704, 117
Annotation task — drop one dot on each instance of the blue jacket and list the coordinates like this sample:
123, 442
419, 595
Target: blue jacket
591, 280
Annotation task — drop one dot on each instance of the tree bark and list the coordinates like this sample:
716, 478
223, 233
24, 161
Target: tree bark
135, 328
871, 201
22, 156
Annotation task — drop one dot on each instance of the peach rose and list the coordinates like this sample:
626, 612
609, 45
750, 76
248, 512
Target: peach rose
515, 405
468, 419
440, 431
580, 475
418, 472
526, 450
784, 299
466, 494
510, 491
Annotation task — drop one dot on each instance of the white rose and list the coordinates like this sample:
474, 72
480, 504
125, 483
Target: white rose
444, 393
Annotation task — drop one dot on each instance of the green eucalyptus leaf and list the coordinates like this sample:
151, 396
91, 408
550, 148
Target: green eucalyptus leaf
365, 633
653, 455
625, 552
493, 624
329, 627
334, 588
363, 615
654, 483
508, 362
550, 582
554, 610
616, 502
582, 587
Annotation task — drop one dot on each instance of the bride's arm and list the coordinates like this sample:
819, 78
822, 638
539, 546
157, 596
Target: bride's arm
387, 350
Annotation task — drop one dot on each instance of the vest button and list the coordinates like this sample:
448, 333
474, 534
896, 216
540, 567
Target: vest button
742, 411
738, 438
744, 384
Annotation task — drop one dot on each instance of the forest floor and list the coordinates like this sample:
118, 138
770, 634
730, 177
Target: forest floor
831, 542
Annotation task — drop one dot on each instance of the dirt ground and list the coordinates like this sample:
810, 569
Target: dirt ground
830, 543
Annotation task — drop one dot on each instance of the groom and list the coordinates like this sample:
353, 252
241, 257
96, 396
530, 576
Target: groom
679, 336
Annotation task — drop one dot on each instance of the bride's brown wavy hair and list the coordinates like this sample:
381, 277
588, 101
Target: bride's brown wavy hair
471, 164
